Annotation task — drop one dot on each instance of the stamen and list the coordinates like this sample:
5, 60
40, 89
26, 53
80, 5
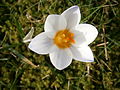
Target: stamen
64, 39
63, 35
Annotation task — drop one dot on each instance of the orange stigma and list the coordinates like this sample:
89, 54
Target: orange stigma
64, 39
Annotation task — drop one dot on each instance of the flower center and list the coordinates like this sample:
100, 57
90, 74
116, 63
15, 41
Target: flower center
64, 39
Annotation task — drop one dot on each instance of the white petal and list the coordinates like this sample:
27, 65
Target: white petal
83, 54
79, 38
75, 52
72, 16
51, 34
54, 23
61, 58
41, 44
89, 31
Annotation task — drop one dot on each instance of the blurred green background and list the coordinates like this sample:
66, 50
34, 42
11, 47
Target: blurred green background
17, 17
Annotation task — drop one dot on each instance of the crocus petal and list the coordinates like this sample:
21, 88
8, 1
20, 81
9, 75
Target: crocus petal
79, 38
54, 23
61, 58
41, 44
51, 34
72, 16
83, 54
89, 31
75, 52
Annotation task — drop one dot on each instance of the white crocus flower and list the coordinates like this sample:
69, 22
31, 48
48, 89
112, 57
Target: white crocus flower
65, 39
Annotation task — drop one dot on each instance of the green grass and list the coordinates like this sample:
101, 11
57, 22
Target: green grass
17, 73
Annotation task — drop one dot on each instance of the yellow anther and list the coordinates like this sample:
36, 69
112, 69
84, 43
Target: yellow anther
63, 35
64, 39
